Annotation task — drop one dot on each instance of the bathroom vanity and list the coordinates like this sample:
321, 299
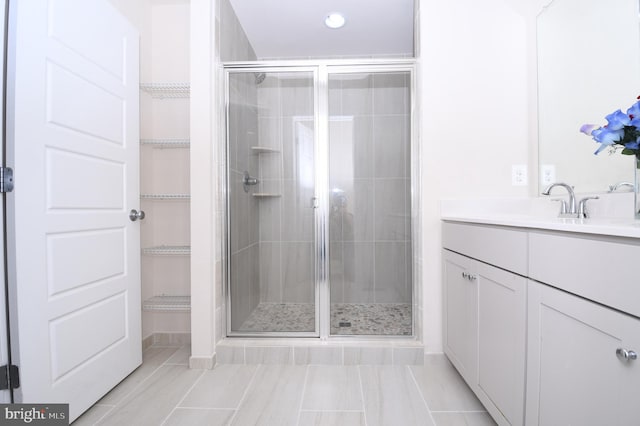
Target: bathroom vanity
542, 317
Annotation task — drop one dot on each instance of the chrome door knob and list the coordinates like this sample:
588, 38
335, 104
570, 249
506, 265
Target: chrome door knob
136, 215
625, 355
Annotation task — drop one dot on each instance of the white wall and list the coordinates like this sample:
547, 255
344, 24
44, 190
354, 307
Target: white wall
476, 76
477, 95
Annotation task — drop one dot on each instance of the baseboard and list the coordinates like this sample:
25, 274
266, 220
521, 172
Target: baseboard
166, 339
202, 362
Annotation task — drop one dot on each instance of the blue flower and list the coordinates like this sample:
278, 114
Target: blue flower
634, 114
617, 120
588, 129
633, 145
621, 129
607, 136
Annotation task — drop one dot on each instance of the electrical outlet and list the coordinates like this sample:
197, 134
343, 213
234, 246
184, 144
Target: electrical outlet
547, 174
519, 175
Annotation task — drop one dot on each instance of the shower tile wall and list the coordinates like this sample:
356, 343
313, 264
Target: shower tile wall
286, 124
245, 267
232, 44
370, 202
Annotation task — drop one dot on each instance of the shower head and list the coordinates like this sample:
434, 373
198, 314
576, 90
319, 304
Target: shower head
260, 76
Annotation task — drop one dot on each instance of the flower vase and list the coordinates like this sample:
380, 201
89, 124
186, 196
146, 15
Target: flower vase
636, 189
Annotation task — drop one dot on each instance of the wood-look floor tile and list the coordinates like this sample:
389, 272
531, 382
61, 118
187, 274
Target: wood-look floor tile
332, 388
152, 359
442, 386
199, 417
273, 397
463, 419
391, 397
152, 401
222, 387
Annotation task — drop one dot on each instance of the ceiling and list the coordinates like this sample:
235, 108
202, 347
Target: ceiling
295, 28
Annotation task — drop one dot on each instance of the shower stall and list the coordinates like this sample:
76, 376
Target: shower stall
319, 162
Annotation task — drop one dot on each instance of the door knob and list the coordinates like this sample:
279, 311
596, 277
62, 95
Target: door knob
625, 355
136, 215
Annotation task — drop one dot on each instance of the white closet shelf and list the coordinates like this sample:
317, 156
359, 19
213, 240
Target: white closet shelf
166, 143
264, 149
167, 250
166, 90
165, 196
167, 303
266, 195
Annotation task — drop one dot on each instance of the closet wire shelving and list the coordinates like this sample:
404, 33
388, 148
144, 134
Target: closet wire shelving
166, 90
166, 303
166, 143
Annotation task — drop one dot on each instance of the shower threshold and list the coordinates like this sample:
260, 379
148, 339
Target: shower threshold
393, 319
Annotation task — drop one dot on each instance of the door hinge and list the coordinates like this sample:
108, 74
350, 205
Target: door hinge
9, 377
6, 179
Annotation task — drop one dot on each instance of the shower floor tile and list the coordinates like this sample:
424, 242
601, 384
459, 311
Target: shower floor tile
371, 318
283, 317
346, 318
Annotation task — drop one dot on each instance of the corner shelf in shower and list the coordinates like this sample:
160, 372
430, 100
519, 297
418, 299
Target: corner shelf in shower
167, 304
165, 196
166, 143
166, 90
167, 250
264, 150
265, 195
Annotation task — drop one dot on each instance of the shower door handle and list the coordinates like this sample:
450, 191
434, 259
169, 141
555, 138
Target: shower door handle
314, 202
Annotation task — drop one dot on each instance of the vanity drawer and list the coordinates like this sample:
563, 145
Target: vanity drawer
503, 247
602, 269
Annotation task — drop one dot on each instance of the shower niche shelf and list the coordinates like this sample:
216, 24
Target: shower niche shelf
166, 143
265, 195
167, 250
264, 150
166, 303
166, 90
165, 196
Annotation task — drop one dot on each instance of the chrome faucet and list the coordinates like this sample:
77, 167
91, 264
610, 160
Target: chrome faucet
582, 207
565, 211
614, 188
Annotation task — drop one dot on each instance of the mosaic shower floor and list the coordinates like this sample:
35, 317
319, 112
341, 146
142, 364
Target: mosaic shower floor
346, 318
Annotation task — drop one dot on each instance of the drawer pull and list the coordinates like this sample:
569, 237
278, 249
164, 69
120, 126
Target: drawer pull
625, 355
468, 276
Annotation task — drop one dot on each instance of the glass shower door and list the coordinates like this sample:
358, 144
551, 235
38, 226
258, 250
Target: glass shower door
271, 139
371, 291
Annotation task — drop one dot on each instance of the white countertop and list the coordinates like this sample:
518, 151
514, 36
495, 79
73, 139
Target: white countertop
535, 213
618, 227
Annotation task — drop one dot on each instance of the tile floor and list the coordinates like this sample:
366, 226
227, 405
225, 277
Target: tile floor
164, 391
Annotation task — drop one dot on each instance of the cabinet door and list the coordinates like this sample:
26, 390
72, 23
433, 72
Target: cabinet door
574, 376
502, 315
460, 314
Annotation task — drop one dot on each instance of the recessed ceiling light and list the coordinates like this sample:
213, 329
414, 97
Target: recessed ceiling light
334, 20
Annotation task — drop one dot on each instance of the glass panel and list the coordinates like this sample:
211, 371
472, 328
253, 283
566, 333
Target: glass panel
370, 203
271, 138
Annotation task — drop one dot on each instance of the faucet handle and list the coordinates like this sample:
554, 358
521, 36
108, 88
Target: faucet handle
563, 204
582, 206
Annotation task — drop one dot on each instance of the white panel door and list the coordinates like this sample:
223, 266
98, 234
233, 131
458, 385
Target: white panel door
5, 396
75, 255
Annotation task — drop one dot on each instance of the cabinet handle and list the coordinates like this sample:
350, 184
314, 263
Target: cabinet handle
625, 355
468, 276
